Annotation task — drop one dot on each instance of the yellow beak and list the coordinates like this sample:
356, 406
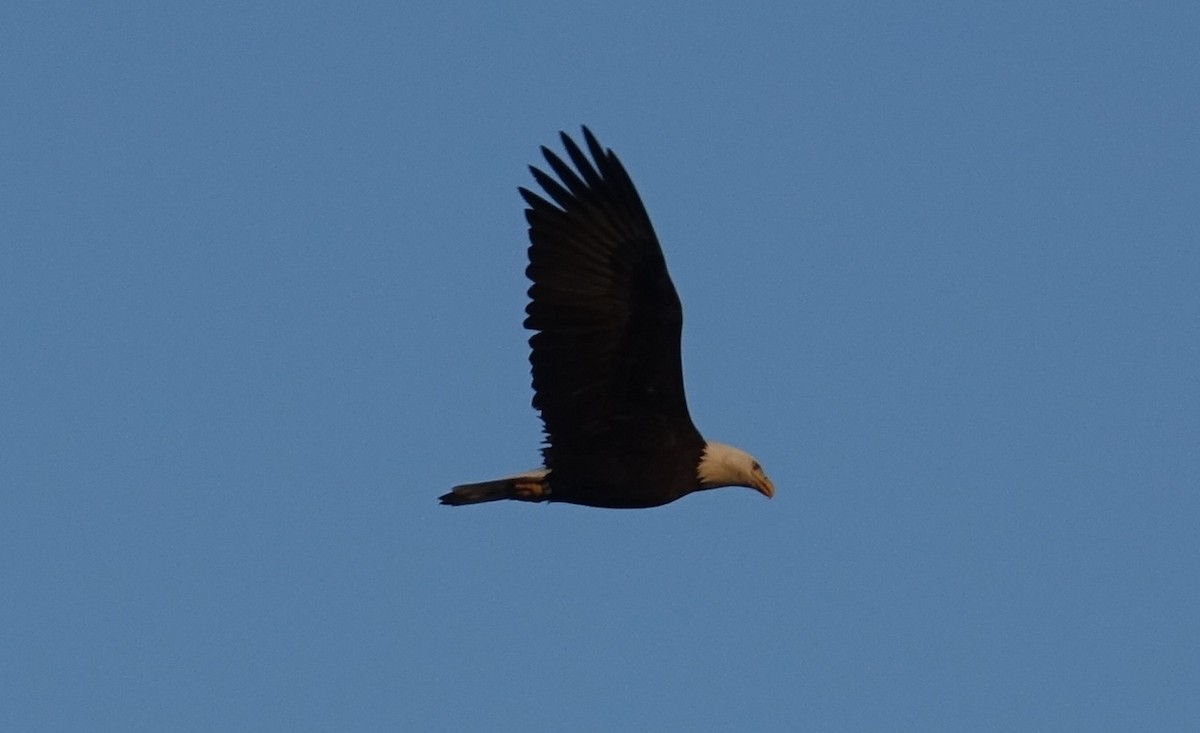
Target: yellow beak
763, 485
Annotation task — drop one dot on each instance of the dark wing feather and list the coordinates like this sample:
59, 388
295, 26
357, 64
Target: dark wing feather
606, 364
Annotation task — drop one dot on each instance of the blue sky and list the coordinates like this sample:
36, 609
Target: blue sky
261, 303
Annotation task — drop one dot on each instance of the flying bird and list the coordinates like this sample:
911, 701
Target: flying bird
607, 375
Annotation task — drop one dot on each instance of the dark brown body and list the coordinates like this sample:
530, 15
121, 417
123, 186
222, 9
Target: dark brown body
605, 354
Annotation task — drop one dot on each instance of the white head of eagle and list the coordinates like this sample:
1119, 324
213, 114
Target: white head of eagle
724, 465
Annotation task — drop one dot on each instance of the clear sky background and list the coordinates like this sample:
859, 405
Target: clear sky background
261, 291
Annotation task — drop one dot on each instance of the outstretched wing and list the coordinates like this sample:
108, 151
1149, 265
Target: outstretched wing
606, 356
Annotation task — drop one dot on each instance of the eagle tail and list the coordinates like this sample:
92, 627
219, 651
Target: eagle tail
530, 486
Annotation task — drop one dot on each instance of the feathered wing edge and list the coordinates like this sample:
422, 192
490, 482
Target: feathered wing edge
606, 314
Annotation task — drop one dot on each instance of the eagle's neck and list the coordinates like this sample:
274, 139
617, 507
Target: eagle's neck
723, 465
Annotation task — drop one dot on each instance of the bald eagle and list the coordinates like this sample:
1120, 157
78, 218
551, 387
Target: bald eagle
607, 376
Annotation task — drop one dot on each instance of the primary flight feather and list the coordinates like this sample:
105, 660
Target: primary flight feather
607, 374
